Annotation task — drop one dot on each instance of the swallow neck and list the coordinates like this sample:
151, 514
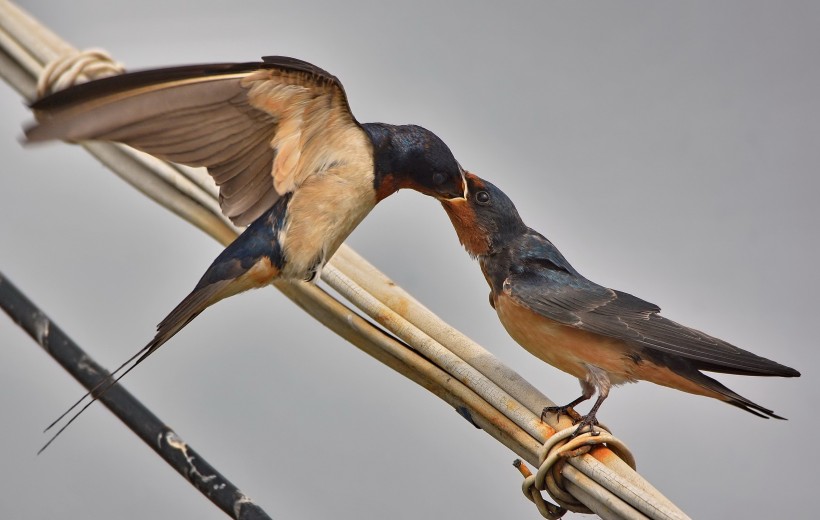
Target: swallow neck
502, 232
404, 156
385, 180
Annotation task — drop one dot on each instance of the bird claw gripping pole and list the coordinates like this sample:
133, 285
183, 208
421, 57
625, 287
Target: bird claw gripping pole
442, 359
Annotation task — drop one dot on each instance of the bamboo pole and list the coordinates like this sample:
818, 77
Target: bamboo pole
496, 399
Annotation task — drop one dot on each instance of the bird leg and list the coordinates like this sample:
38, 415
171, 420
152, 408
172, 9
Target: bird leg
589, 419
588, 390
598, 379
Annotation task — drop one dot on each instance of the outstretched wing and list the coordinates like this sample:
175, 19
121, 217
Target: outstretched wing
260, 128
568, 298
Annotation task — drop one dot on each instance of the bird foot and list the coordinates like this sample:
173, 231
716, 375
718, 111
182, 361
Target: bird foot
587, 424
567, 410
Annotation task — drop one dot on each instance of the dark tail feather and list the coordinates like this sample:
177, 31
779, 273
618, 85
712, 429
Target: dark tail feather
733, 398
183, 314
97, 389
770, 368
95, 393
253, 260
164, 333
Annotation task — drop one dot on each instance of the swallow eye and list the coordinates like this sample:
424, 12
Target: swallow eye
482, 197
438, 178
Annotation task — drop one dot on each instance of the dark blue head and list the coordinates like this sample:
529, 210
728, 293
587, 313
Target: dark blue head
486, 219
409, 156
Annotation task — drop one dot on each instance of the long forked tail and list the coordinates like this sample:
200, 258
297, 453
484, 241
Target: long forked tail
179, 317
253, 260
733, 398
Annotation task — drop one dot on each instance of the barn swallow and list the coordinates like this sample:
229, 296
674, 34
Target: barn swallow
602, 336
282, 145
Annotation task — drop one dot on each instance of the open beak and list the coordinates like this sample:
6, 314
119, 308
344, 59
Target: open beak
465, 193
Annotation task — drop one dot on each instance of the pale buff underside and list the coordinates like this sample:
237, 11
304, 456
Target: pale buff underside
328, 206
323, 157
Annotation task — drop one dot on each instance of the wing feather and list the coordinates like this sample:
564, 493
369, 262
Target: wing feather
571, 299
260, 129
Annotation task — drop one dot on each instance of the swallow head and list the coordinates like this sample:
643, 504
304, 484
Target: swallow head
409, 156
485, 219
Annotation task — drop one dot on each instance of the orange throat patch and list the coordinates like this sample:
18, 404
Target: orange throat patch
474, 238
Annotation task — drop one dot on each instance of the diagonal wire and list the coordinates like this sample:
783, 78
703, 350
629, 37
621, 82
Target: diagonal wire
156, 434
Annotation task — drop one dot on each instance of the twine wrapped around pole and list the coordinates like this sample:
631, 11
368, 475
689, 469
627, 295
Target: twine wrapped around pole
443, 360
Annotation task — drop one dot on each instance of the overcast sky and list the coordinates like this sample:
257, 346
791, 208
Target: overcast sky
669, 150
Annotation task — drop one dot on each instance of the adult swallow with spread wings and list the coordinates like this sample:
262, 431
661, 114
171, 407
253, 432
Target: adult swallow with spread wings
282, 145
601, 336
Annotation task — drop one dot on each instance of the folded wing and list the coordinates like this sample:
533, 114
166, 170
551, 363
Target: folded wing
571, 299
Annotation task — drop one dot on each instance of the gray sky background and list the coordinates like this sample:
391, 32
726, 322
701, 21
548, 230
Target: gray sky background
668, 149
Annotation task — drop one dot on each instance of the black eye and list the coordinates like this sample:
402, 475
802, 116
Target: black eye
438, 178
482, 197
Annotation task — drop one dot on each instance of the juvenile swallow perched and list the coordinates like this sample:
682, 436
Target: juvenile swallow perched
282, 145
602, 336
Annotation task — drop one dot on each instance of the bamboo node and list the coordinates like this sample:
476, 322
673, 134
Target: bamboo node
551, 456
76, 67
